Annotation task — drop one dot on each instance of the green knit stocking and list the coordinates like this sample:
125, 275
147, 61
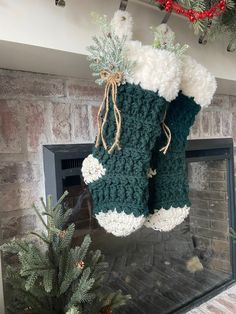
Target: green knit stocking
169, 204
139, 82
118, 181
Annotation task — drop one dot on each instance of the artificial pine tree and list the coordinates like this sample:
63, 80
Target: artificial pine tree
53, 277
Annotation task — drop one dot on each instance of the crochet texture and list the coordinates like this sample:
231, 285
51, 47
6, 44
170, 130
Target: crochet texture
169, 188
124, 187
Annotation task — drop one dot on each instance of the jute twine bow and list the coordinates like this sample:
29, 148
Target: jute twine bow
167, 132
112, 80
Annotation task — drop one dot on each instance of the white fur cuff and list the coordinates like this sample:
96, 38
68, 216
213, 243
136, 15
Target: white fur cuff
166, 220
154, 69
119, 224
92, 169
197, 82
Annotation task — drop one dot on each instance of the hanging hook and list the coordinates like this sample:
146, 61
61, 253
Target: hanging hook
123, 5
203, 38
166, 17
60, 3
229, 47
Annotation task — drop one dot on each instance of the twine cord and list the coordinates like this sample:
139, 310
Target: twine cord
167, 132
112, 80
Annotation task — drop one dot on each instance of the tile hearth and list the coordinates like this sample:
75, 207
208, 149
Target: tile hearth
224, 303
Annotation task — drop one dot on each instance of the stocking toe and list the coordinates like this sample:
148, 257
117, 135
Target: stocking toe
120, 224
166, 220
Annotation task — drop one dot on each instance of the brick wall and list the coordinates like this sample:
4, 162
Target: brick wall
209, 213
209, 217
37, 109
217, 120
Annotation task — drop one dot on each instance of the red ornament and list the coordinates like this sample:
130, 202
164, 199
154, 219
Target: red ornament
192, 19
106, 310
191, 14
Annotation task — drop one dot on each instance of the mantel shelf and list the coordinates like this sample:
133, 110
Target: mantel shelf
23, 57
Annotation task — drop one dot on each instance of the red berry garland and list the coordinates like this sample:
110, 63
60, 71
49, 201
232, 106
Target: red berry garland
191, 14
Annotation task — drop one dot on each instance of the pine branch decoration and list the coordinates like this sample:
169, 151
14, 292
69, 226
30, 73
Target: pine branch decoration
164, 38
52, 276
108, 52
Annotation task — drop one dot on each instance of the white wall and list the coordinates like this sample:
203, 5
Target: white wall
69, 29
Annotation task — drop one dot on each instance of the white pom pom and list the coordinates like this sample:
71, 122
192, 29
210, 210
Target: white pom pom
122, 24
92, 169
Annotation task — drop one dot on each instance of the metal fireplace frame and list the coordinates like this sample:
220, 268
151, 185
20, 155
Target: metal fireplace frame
197, 150
54, 174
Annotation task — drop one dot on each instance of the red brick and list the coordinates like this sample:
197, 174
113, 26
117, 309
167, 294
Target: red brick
206, 122
218, 206
84, 90
81, 127
216, 165
222, 226
224, 303
25, 84
210, 213
18, 226
208, 195
220, 248
10, 129
220, 102
61, 122
232, 102
18, 172
200, 204
35, 121
200, 222
220, 264
214, 310
198, 176
217, 215
195, 129
94, 116
234, 126
218, 186
202, 242
93, 113
227, 305
216, 175
18, 196
216, 124
226, 123
212, 234
232, 296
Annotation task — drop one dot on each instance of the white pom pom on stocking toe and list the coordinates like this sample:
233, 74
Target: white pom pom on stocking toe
119, 224
92, 169
167, 220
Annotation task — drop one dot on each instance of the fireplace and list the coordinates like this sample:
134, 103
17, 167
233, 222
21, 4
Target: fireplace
164, 272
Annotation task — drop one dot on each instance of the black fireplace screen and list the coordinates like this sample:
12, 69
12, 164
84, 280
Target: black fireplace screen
165, 272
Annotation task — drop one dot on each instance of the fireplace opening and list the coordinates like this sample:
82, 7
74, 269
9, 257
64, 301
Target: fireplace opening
165, 272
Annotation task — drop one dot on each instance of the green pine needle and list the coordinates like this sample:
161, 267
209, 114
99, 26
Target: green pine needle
48, 277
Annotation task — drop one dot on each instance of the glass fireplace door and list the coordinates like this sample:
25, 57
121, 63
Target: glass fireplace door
167, 272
